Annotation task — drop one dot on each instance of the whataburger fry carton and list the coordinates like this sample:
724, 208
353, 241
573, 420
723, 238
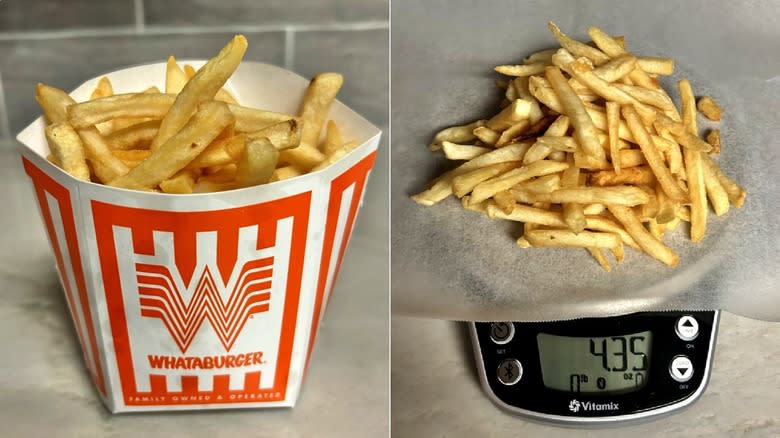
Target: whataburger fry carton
201, 301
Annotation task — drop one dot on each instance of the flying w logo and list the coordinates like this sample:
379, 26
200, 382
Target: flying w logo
183, 308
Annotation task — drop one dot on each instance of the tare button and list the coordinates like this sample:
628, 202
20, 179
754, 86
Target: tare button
687, 328
681, 369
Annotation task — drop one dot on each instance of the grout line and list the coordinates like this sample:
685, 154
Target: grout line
5, 125
190, 30
140, 23
289, 48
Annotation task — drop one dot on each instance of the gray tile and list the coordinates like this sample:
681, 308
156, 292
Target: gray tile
66, 63
265, 12
52, 14
361, 56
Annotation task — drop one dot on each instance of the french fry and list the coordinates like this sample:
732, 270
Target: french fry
220, 152
651, 245
638, 175
257, 163
539, 151
283, 135
693, 166
527, 215
189, 71
181, 183
713, 138
653, 156
599, 256
175, 78
106, 166
577, 48
67, 150
200, 88
54, 103
715, 191
613, 124
465, 183
456, 134
251, 119
135, 105
616, 69
173, 155
520, 85
572, 211
486, 135
488, 188
709, 108
462, 152
666, 208
584, 131
333, 138
522, 70
319, 95
135, 136
657, 66
542, 184
734, 191
103, 89
286, 172
566, 238
512, 132
617, 195
612, 48
517, 111
505, 201
601, 223
335, 155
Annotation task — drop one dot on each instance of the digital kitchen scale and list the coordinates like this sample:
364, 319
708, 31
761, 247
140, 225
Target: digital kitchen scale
596, 370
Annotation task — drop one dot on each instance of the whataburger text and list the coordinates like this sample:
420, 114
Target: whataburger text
205, 362
589, 151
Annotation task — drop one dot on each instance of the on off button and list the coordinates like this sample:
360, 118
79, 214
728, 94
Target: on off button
502, 332
687, 328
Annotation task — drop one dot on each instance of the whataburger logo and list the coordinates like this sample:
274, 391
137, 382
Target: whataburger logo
247, 292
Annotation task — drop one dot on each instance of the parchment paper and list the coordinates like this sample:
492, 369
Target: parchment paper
455, 264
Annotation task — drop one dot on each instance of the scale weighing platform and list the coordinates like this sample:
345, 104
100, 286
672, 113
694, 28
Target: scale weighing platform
597, 370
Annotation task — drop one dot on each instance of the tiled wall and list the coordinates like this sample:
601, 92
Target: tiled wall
64, 42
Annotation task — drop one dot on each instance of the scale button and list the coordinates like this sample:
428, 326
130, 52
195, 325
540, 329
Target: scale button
681, 368
502, 332
687, 328
510, 371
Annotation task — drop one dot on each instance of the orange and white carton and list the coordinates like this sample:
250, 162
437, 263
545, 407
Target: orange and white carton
204, 301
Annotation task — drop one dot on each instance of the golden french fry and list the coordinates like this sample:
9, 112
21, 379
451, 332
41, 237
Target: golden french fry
286, 172
735, 192
455, 151
173, 155
651, 245
456, 134
540, 56
593, 209
335, 155
666, 208
465, 183
656, 66
132, 155
520, 85
573, 215
283, 135
189, 71
653, 155
542, 184
505, 201
134, 105
67, 150
709, 108
599, 256
693, 165
442, 186
613, 124
539, 151
715, 191
713, 138
199, 89
648, 210
54, 103
486, 135
613, 48
616, 69
135, 136
175, 78
599, 119
577, 48
488, 188
527, 215
517, 110
688, 107
638, 175
601, 223
617, 195
541, 90
320, 94
220, 152
512, 132
257, 163
333, 138
656, 98
522, 70
565, 144
103, 89
182, 182
251, 119
584, 131
97, 151
566, 238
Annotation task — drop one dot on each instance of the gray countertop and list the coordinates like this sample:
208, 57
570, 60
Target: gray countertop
436, 391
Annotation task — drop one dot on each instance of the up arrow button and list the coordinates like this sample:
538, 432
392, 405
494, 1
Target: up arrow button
687, 328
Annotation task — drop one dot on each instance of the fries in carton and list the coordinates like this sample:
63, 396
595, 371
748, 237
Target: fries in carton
201, 301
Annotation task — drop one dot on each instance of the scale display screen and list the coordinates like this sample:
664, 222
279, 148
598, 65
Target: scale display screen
595, 365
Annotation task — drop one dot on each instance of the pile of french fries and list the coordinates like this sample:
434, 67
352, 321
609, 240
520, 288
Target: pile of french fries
589, 151
194, 137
